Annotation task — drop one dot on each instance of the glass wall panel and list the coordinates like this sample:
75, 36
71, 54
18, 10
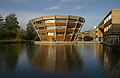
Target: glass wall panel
60, 33
69, 33
61, 20
51, 28
60, 27
49, 21
72, 21
51, 34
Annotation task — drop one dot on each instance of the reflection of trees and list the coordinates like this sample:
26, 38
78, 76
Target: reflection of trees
9, 56
111, 59
57, 58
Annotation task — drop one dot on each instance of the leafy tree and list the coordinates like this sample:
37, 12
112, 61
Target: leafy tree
1, 26
31, 34
21, 34
11, 25
1, 21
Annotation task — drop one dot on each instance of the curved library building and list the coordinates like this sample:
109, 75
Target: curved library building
58, 27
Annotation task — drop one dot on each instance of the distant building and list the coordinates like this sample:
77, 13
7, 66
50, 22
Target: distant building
98, 34
109, 27
86, 35
58, 27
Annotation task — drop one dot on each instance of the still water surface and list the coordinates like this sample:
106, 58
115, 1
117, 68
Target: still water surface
57, 61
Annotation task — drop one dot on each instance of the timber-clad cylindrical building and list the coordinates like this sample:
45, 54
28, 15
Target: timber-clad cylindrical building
58, 27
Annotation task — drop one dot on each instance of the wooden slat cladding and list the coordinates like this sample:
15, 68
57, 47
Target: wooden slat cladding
61, 17
42, 25
60, 38
67, 38
49, 24
48, 17
71, 24
42, 31
60, 24
37, 19
45, 38
50, 38
73, 17
60, 30
69, 30
50, 30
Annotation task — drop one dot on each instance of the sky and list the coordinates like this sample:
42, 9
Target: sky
92, 10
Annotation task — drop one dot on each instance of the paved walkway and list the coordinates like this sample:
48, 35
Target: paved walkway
66, 42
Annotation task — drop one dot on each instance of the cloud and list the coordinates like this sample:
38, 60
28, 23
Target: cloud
77, 8
90, 0
57, 7
20, 1
24, 1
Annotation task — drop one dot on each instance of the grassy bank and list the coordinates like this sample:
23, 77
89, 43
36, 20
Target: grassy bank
17, 41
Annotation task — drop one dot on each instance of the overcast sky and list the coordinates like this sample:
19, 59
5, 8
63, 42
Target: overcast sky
92, 10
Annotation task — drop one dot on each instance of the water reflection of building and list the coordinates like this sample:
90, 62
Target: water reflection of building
110, 61
57, 58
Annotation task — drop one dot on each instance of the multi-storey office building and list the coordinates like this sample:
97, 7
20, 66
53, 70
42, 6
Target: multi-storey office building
110, 27
58, 27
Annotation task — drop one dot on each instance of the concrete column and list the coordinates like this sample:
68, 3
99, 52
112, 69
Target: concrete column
113, 39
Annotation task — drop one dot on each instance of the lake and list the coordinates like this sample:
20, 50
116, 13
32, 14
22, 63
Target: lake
57, 61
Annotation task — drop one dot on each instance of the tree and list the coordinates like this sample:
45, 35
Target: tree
1, 26
11, 25
1, 21
31, 34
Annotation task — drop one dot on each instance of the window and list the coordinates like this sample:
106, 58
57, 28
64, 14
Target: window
60, 33
51, 28
69, 33
61, 20
108, 18
37, 22
71, 27
51, 34
49, 21
41, 28
107, 28
60, 27
72, 21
